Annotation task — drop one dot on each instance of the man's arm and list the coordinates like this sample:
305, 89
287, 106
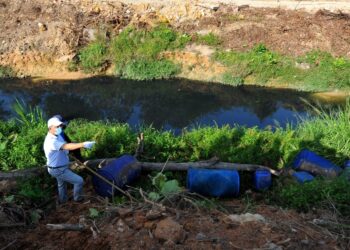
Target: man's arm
72, 146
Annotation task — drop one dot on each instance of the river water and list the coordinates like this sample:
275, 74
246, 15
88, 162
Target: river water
164, 104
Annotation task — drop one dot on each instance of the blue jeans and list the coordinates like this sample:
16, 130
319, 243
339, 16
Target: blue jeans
64, 175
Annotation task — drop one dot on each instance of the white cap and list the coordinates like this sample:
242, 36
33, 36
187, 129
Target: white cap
54, 121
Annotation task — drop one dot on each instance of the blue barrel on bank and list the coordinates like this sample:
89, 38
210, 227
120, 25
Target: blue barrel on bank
262, 180
120, 172
311, 162
213, 182
302, 176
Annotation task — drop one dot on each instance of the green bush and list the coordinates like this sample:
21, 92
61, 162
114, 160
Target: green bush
208, 39
93, 57
36, 189
26, 150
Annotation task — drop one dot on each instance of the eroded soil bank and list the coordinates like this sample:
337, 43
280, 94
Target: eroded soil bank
39, 38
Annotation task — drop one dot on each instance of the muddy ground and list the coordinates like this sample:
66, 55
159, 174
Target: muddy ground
40, 37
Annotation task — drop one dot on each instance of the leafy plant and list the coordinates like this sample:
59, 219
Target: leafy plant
27, 115
164, 187
93, 213
36, 189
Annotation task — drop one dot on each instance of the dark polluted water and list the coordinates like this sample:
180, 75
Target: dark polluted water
164, 104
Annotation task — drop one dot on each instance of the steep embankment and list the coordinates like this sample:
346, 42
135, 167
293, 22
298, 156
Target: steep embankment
40, 37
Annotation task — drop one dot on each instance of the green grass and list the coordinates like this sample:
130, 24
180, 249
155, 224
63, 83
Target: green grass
228, 78
147, 70
327, 135
319, 193
208, 39
137, 53
93, 56
6, 71
325, 71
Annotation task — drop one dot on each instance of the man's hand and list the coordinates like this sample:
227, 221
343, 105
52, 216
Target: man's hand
89, 144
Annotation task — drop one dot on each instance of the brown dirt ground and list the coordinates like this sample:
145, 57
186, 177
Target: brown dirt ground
202, 229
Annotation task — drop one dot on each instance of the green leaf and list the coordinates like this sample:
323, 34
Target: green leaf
153, 196
9, 198
94, 213
159, 180
35, 216
170, 187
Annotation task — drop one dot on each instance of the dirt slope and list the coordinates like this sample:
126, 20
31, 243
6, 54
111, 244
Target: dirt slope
40, 37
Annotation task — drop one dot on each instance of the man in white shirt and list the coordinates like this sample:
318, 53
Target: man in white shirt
56, 152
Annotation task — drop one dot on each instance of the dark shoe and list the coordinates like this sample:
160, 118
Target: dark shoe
80, 200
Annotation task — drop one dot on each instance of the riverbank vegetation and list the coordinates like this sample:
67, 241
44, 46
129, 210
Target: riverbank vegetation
316, 70
6, 71
21, 143
327, 134
137, 54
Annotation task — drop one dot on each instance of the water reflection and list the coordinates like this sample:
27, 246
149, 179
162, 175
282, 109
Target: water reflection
171, 104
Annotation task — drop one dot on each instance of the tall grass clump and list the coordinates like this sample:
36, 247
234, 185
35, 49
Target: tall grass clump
27, 115
93, 57
137, 53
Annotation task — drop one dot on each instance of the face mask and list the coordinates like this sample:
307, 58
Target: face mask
58, 131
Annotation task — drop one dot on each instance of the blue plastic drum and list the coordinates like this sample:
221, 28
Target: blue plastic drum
213, 182
311, 162
120, 172
302, 176
262, 180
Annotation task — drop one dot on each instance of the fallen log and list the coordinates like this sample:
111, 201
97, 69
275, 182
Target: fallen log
146, 166
184, 166
23, 173
66, 227
4, 225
